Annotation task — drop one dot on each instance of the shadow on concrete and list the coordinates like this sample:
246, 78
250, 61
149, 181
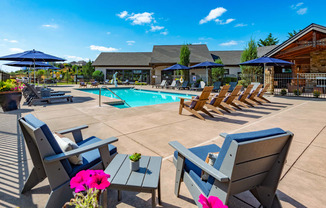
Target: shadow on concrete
63, 101
13, 162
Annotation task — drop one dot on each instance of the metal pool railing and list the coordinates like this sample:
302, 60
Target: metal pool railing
100, 96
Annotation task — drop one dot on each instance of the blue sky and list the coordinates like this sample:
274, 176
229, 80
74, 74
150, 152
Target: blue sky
77, 30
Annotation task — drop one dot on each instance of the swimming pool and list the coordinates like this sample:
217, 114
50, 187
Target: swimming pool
136, 97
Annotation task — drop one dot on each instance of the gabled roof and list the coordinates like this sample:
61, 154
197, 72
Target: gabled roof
123, 59
303, 32
261, 51
228, 57
169, 54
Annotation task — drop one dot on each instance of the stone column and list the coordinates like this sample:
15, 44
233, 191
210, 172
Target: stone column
269, 78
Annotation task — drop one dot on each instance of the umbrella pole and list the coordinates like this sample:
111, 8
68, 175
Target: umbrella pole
264, 74
206, 76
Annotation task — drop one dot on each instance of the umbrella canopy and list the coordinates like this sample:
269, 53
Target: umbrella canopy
176, 67
47, 67
32, 55
267, 61
28, 64
207, 64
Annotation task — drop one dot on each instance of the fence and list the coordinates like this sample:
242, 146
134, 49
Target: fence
4, 76
303, 84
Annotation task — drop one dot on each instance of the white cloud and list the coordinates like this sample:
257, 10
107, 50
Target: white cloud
295, 6
205, 38
51, 26
213, 14
130, 42
197, 43
141, 18
164, 33
122, 14
10, 41
16, 50
230, 43
109, 33
156, 28
240, 25
102, 48
224, 23
76, 58
302, 11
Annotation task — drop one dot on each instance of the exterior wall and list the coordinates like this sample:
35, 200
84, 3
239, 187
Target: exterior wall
157, 70
318, 62
103, 69
233, 70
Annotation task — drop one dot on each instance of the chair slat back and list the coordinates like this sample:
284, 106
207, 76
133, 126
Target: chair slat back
174, 83
33, 90
234, 94
221, 95
261, 94
255, 93
246, 93
203, 98
217, 85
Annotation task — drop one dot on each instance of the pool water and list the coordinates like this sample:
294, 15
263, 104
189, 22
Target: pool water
136, 97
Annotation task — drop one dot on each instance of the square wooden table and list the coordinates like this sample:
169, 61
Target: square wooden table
146, 179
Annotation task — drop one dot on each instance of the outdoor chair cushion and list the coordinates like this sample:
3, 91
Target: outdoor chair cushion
214, 99
193, 103
66, 145
90, 158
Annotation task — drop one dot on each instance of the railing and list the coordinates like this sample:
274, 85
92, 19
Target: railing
100, 96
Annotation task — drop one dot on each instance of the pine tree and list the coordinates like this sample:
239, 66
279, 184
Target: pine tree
270, 40
185, 60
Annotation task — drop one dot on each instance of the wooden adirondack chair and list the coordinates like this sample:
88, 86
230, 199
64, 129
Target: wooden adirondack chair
260, 95
50, 162
247, 161
197, 103
217, 99
229, 100
242, 99
82, 83
252, 96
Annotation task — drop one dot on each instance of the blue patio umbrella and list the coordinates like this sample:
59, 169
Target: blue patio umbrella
176, 67
33, 56
266, 61
207, 64
28, 64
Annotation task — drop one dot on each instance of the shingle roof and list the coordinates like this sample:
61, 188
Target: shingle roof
123, 59
261, 51
227, 57
170, 54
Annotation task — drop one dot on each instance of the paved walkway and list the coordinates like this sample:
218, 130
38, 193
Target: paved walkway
149, 129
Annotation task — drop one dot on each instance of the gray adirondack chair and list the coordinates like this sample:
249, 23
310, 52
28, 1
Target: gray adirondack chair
50, 162
247, 161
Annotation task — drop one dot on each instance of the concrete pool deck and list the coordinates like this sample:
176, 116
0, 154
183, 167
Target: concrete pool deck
148, 130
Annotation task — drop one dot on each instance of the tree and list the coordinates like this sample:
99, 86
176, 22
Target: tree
248, 73
40, 73
88, 69
185, 60
218, 72
98, 76
270, 40
74, 68
293, 33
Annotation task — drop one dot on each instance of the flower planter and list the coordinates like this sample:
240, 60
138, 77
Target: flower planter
134, 166
10, 100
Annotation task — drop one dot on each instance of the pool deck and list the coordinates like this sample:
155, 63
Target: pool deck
148, 130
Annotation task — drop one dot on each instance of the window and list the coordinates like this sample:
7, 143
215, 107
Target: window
227, 71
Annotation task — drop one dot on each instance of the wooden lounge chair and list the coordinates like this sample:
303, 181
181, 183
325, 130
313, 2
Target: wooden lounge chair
217, 86
260, 96
197, 103
246, 161
183, 86
162, 85
200, 87
215, 101
228, 101
82, 83
51, 162
173, 84
242, 99
252, 96
36, 97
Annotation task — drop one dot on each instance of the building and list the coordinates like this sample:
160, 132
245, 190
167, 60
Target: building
147, 66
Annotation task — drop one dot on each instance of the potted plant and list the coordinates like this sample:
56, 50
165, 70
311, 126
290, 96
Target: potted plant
316, 93
283, 92
297, 92
134, 161
10, 94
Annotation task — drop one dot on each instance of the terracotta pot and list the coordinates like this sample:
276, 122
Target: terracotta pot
10, 100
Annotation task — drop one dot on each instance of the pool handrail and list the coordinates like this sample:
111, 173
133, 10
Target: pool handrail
113, 94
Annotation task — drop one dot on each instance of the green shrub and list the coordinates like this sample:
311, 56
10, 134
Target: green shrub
230, 79
135, 157
283, 92
316, 93
98, 76
244, 83
297, 92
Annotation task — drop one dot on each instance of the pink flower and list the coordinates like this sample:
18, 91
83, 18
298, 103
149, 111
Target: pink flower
211, 202
79, 181
99, 182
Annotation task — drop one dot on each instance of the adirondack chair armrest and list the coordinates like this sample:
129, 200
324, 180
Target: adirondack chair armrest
65, 155
78, 128
198, 162
223, 135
